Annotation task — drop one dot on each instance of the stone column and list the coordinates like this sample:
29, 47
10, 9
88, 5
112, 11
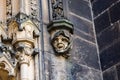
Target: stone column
24, 56
24, 71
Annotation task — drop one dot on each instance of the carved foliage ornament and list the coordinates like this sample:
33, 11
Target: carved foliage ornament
57, 9
34, 8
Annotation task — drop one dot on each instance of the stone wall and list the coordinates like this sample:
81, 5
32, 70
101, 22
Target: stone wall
107, 26
83, 63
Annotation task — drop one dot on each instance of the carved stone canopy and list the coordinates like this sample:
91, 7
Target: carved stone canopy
61, 35
25, 32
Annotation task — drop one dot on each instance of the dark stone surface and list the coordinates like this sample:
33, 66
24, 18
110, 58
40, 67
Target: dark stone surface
110, 56
83, 63
118, 71
101, 5
110, 74
83, 28
74, 70
83, 35
108, 36
102, 22
80, 23
85, 53
81, 8
80, 72
115, 12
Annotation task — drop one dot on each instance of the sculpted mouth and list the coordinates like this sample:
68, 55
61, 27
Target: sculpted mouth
60, 46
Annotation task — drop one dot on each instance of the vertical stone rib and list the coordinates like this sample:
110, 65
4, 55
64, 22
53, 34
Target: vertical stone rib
27, 6
24, 71
24, 6
15, 7
2, 10
58, 66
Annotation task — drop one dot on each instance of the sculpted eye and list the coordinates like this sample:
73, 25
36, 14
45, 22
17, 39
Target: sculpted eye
56, 39
65, 40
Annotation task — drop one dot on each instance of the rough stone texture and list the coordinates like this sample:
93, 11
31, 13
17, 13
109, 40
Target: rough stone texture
83, 63
107, 26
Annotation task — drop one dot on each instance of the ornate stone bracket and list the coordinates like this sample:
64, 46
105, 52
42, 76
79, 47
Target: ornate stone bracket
61, 36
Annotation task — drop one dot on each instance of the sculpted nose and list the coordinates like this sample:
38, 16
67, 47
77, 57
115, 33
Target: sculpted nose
59, 40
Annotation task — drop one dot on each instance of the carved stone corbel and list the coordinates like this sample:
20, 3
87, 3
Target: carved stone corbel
61, 36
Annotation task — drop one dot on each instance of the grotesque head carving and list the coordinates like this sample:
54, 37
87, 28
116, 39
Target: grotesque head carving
61, 32
61, 41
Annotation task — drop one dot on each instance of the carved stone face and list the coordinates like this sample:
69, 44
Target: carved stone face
60, 43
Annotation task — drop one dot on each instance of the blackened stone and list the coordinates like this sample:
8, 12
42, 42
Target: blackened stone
118, 71
115, 12
85, 53
108, 36
81, 24
47, 64
110, 74
80, 72
81, 8
110, 56
102, 22
101, 5
81, 34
